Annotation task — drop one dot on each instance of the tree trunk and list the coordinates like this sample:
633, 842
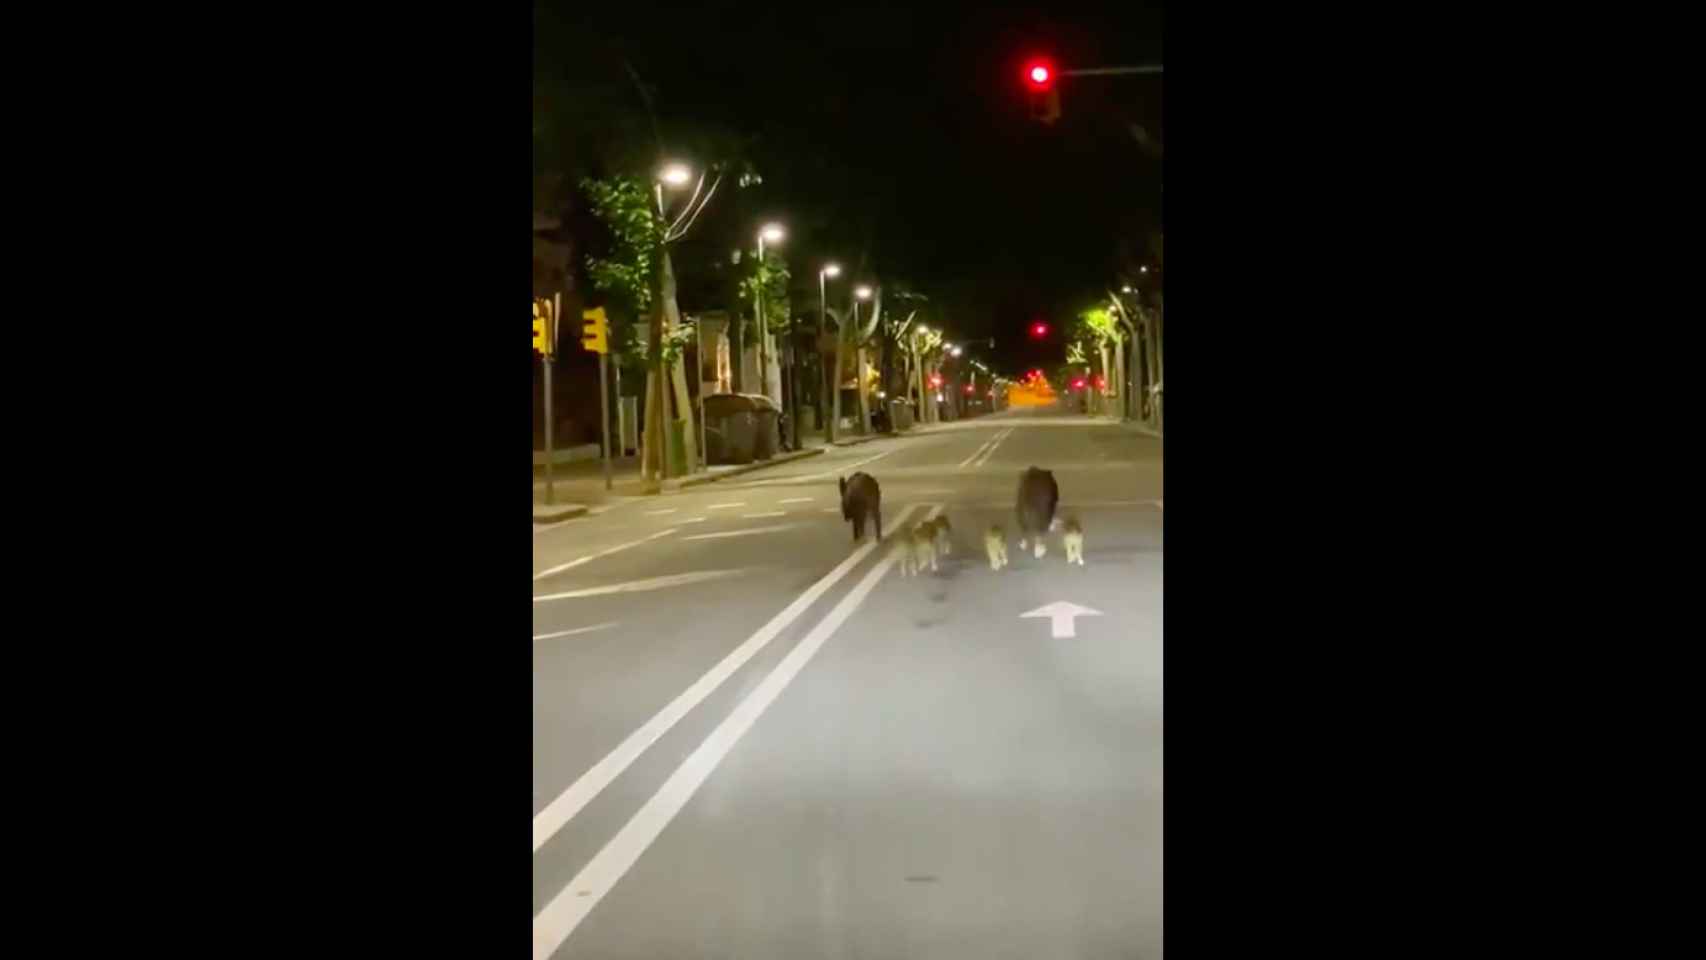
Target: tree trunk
835, 382
864, 402
683, 401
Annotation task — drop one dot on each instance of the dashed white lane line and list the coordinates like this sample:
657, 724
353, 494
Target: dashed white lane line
571, 801
659, 513
693, 520
602, 553
831, 509
570, 633
750, 531
797, 500
570, 906
756, 516
842, 470
640, 586
725, 506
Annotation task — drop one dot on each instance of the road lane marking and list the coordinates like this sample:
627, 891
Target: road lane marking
659, 513
571, 905
974, 454
1062, 616
831, 509
757, 516
725, 506
602, 553
1003, 435
797, 500
570, 633
640, 586
740, 533
693, 520
843, 470
571, 801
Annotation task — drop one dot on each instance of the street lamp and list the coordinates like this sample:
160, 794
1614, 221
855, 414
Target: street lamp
774, 234
863, 293
676, 175
829, 270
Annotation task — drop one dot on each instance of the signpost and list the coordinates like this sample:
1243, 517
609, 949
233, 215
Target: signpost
595, 336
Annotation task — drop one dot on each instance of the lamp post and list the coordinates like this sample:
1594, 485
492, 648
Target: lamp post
860, 293
829, 270
773, 233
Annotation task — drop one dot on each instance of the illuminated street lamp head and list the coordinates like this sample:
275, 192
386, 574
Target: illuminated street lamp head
772, 233
1126, 288
676, 174
832, 270
863, 293
1142, 269
956, 351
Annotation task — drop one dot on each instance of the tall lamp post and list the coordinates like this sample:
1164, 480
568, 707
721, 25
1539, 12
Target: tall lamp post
829, 270
772, 233
860, 293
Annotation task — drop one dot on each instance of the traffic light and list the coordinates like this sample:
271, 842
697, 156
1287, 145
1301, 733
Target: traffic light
1045, 99
542, 326
595, 333
1039, 330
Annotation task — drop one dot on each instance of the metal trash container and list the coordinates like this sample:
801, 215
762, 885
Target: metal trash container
731, 429
768, 428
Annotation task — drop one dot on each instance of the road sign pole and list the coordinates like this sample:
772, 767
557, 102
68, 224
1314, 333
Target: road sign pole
604, 411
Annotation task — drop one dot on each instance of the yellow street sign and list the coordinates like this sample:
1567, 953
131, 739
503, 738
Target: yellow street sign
595, 334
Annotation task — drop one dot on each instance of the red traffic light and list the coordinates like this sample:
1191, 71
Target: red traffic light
1078, 384
969, 388
1039, 330
1040, 74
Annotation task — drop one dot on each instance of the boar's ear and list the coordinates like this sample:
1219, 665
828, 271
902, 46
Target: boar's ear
843, 482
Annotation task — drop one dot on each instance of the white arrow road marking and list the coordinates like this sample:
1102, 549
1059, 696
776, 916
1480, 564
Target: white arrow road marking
602, 553
569, 907
638, 586
740, 533
561, 810
570, 633
1061, 615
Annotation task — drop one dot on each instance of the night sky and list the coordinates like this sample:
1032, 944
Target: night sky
903, 137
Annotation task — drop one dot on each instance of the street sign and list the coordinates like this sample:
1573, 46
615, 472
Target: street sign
1061, 616
595, 332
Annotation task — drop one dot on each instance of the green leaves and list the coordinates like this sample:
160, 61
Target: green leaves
623, 205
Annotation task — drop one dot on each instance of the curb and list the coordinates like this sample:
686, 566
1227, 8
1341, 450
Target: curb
776, 461
558, 512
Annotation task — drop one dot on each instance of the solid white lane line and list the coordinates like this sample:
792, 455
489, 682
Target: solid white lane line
756, 516
580, 793
974, 454
602, 553
640, 586
797, 500
725, 506
570, 906
570, 633
740, 533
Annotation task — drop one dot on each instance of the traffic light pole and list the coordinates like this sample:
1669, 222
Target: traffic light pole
1109, 71
604, 411
550, 448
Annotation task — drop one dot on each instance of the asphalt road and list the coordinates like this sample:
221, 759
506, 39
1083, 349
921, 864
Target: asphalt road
753, 738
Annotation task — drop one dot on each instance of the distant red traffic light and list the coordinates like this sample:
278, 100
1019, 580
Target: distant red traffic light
1040, 73
1078, 384
1039, 330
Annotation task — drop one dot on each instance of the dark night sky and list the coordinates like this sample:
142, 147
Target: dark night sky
904, 134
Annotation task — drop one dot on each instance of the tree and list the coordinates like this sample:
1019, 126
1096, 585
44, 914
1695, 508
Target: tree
1100, 327
638, 272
